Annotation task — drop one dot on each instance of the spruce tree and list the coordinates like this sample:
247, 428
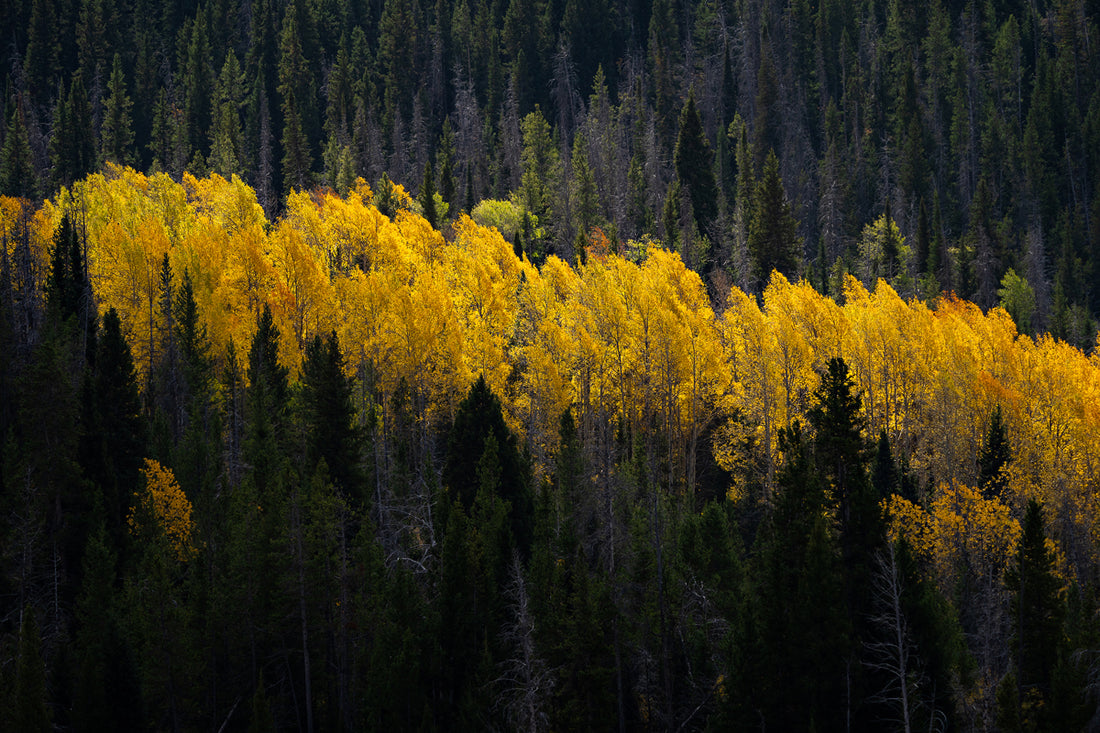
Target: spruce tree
445, 162
480, 415
18, 176
227, 154
797, 653
693, 161
265, 405
331, 432
773, 239
427, 196
116, 133
119, 427
994, 458
198, 84
295, 92
1037, 613
42, 63
584, 197
72, 142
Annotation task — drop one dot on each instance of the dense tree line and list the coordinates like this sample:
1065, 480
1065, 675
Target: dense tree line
336, 471
974, 127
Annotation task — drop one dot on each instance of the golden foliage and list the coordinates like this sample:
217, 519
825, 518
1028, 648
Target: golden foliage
163, 510
959, 529
634, 338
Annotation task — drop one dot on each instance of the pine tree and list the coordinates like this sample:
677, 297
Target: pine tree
227, 154
693, 162
773, 239
119, 427
116, 133
106, 683
584, 198
994, 458
541, 174
265, 405
427, 196
479, 416
198, 85
445, 161
884, 476
295, 91
802, 623
331, 432
1037, 613
72, 142
18, 176
42, 64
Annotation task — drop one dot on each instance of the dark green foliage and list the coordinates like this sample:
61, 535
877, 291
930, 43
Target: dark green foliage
976, 127
994, 458
265, 404
18, 176
117, 134
72, 143
66, 280
118, 430
884, 474
329, 416
773, 232
693, 162
479, 417
426, 196
801, 643
1038, 610
106, 683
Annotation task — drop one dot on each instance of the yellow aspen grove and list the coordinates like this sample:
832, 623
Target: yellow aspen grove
636, 340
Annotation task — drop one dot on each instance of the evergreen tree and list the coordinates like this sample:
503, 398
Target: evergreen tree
118, 426
329, 418
994, 458
68, 284
116, 133
198, 71
72, 142
296, 94
692, 160
265, 405
773, 239
841, 455
106, 684
427, 196
18, 176
227, 153
584, 197
42, 64
541, 175
445, 161
479, 416
884, 476
798, 653
1037, 613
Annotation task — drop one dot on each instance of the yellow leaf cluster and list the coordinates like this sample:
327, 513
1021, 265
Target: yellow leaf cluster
163, 510
959, 529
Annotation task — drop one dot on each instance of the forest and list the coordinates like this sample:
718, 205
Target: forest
545, 365
341, 471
